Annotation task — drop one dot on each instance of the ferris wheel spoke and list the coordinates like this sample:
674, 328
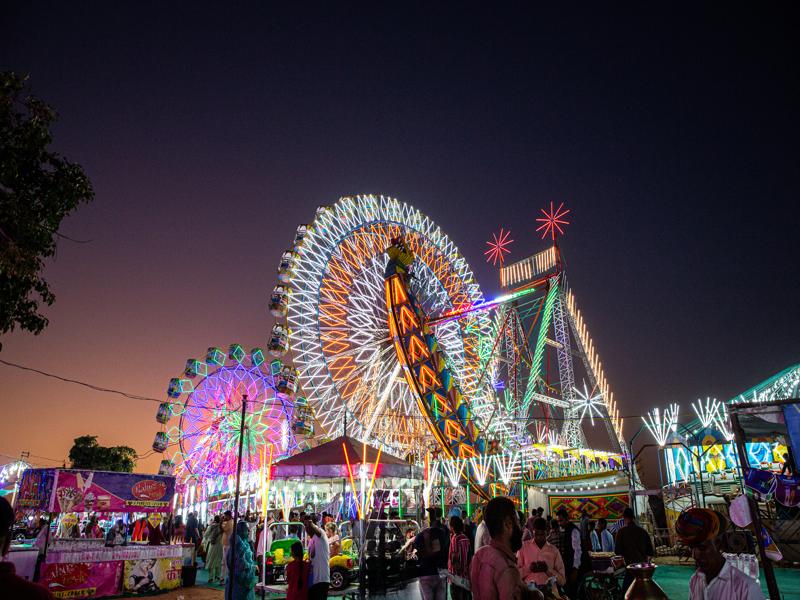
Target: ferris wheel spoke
343, 253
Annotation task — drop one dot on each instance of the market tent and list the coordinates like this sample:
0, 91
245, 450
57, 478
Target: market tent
328, 460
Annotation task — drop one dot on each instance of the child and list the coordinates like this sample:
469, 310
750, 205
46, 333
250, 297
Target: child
297, 572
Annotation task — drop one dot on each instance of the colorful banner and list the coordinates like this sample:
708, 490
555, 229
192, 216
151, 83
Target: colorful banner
82, 580
607, 506
105, 491
35, 489
151, 575
791, 416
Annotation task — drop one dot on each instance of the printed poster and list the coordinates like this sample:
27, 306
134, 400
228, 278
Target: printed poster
607, 506
35, 488
105, 491
150, 575
386, 499
82, 580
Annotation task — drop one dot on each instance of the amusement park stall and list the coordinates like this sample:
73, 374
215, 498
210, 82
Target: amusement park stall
344, 465
577, 479
79, 567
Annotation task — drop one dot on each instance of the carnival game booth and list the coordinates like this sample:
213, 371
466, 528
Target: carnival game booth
578, 479
86, 567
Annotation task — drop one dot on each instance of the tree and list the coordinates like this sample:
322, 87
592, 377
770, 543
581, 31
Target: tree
38, 188
86, 453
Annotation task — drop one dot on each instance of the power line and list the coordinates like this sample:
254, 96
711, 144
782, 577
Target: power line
130, 396
96, 388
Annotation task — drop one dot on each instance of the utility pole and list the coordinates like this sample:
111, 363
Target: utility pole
232, 573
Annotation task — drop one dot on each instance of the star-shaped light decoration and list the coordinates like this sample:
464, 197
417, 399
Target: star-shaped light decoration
498, 247
552, 221
589, 402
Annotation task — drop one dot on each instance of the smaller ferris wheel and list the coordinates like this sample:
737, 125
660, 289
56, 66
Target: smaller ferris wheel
202, 420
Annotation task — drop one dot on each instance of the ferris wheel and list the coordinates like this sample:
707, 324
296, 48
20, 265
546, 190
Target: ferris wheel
207, 403
331, 295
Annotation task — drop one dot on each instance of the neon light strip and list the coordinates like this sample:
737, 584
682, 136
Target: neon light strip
352, 481
478, 306
583, 338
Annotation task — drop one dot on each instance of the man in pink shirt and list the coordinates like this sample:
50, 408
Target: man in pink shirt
493, 574
538, 561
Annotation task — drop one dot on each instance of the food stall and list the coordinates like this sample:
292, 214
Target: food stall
87, 567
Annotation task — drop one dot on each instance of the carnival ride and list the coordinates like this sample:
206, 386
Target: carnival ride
207, 403
537, 336
382, 334
406, 353
337, 322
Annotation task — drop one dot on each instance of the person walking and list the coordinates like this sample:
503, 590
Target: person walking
192, 533
527, 531
482, 537
602, 540
458, 557
241, 582
432, 551
320, 554
633, 543
179, 531
226, 524
715, 579
212, 541
493, 574
571, 549
297, 572
553, 533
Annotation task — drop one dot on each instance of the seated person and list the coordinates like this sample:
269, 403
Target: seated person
334, 542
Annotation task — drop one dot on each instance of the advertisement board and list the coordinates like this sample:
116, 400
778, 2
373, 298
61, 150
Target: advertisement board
106, 491
82, 580
35, 488
151, 575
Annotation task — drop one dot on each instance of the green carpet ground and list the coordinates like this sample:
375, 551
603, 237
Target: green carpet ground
675, 581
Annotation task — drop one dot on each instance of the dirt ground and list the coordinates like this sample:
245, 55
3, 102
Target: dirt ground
193, 593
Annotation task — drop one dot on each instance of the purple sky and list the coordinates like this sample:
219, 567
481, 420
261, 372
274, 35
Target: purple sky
210, 133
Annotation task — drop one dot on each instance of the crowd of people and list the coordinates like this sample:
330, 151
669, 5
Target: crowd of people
495, 557
498, 557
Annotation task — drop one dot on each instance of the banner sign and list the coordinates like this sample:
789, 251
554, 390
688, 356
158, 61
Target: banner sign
607, 506
151, 575
791, 416
106, 491
35, 489
82, 580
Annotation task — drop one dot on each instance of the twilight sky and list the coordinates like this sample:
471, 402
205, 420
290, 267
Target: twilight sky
211, 132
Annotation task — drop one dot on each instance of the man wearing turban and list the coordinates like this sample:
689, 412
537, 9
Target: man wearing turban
715, 578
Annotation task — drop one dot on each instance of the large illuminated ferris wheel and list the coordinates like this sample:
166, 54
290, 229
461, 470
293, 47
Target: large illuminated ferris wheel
336, 322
